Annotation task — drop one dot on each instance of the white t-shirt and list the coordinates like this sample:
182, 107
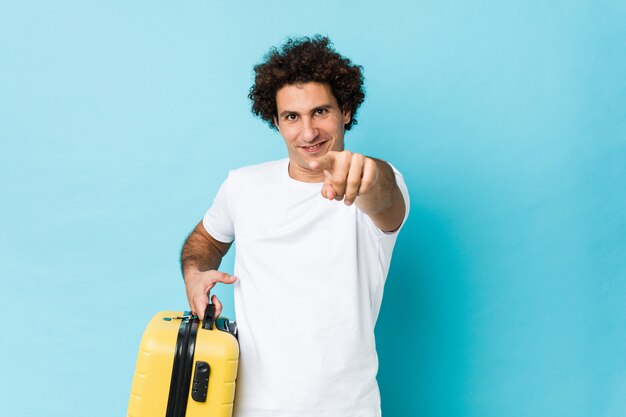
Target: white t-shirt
310, 284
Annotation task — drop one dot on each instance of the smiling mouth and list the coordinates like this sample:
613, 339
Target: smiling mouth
313, 148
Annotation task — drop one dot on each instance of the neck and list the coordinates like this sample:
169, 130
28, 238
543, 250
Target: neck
303, 175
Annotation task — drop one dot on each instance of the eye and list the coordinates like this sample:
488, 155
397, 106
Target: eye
320, 112
291, 117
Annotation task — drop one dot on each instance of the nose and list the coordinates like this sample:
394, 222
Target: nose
309, 131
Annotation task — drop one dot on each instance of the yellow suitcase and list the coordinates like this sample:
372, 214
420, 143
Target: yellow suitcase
185, 367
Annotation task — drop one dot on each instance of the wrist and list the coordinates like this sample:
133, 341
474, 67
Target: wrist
191, 275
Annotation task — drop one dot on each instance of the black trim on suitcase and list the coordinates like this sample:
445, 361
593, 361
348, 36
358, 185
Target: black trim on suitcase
182, 368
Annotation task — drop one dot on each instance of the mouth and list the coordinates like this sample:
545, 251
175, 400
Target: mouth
313, 148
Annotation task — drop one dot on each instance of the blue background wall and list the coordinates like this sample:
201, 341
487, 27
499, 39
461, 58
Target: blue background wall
507, 295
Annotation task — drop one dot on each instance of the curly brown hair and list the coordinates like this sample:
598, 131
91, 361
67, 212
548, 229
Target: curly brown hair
304, 60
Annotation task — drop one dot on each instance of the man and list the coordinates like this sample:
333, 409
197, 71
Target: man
310, 269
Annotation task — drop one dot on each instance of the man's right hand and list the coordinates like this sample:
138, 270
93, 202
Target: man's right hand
198, 286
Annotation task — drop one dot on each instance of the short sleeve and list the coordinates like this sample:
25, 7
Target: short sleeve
218, 220
405, 194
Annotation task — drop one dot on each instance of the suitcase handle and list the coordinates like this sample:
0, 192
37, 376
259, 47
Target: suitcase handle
209, 317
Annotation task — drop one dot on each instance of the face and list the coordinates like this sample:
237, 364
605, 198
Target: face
311, 123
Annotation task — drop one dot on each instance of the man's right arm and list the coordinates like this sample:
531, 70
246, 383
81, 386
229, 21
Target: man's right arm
199, 259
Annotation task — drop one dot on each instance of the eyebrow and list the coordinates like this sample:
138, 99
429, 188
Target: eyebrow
324, 106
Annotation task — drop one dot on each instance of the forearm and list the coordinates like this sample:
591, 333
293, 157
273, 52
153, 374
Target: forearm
201, 252
199, 259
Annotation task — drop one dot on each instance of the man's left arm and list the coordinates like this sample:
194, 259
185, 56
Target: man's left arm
369, 183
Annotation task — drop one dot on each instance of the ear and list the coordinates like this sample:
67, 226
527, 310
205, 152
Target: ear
276, 123
347, 116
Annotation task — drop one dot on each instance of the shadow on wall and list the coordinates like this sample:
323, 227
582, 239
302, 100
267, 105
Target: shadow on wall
421, 330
